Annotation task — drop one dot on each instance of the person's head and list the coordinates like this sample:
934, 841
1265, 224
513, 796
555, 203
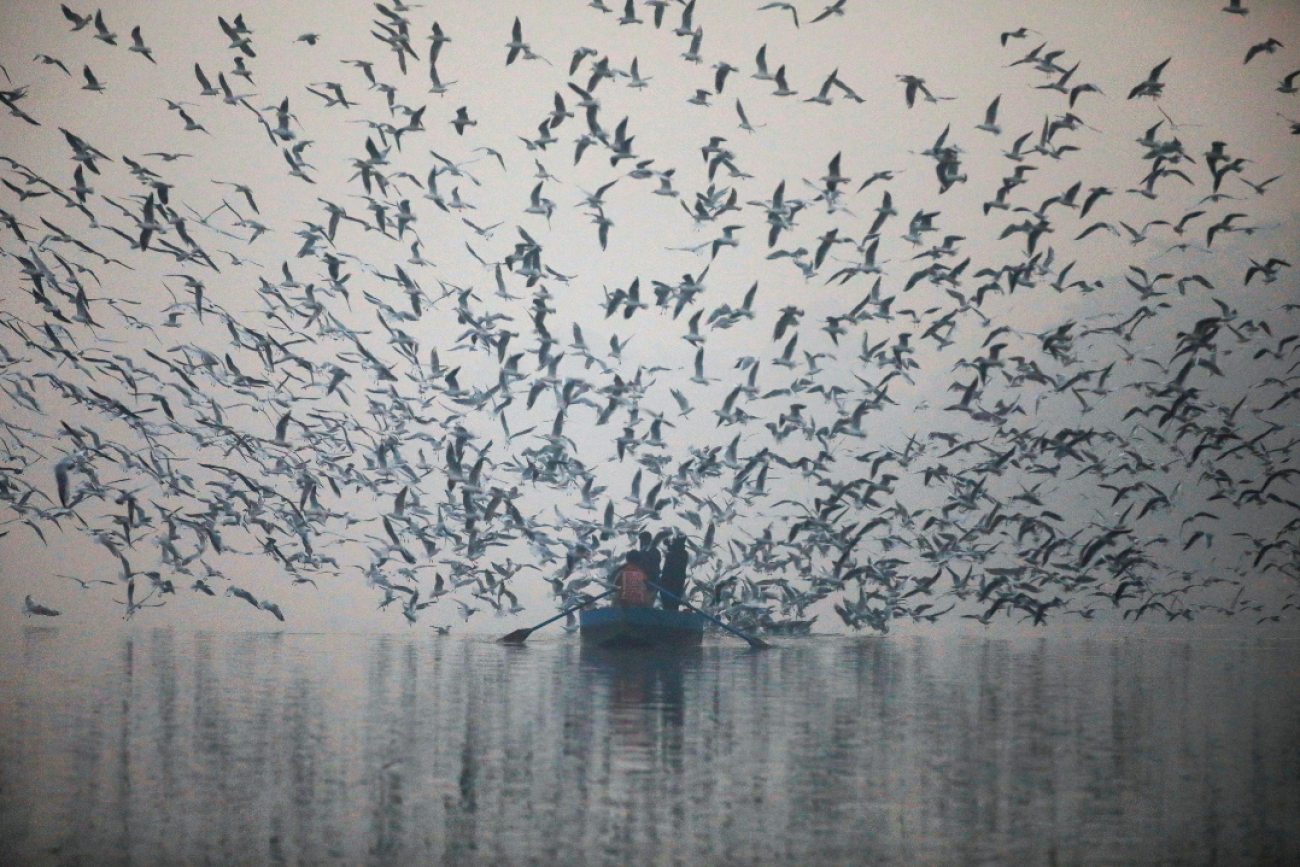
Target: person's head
646, 539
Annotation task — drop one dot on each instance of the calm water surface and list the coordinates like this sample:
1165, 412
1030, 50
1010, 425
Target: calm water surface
173, 748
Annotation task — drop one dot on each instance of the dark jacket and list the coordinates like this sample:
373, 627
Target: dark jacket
673, 575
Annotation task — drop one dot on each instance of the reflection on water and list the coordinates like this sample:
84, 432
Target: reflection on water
299, 749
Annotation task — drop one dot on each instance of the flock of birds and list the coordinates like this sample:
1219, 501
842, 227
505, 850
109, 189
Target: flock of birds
454, 440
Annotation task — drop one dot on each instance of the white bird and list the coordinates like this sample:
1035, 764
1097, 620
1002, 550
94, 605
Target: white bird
30, 607
516, 43
635, 75
243, 594
92, 83
1152, 87
139, 47
744, 121
836, 8
790, 6
760, 60
990, 123
782, 89
102, 32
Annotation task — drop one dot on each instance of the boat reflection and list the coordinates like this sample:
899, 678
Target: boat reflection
643, 693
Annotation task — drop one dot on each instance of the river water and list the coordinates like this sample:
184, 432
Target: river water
189, 748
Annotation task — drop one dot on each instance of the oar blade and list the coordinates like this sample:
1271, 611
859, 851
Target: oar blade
519, 636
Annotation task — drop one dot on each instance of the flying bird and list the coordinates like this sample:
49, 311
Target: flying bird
990, 123
138, 46
92, 83
787, 6
462, 120
1269, 46
836, 8
32, 607
102, 32
1152, 86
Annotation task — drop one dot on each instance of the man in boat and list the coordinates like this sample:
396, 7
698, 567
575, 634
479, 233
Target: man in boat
673, 576
642, 566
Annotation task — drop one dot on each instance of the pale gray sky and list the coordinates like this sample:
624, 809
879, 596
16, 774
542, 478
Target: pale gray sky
1209, 95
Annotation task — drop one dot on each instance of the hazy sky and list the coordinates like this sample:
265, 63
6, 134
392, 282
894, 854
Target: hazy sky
1209, 95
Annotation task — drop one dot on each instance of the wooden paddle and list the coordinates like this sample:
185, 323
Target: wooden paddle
756, 643
519, 636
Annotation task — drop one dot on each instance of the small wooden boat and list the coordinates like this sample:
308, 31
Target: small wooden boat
640, 627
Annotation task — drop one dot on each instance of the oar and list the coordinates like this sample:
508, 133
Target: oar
519, 636
756, 643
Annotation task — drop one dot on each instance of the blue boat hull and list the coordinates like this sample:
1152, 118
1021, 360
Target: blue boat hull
641, 627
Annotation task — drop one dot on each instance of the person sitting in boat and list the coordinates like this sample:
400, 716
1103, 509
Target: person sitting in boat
641, 567
673, 576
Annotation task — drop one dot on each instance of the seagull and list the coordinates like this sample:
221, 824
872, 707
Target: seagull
578, 55
208, 89
1152, 87
493, 153
54, 61
103, 34
1020, 33
693, 53
1259, 188
1088, 87
793, 11
782, 89
1224, 225
684, 26
603, 224
699, 376
238, 34
78, 21
629, 14
463, 120
990, 123
636, 81
30, 607
1268, 269
244, 190
1138, 236
823, 96
744, 121
92, 83
516, 43
232, 590
138, 45
1267, 47
914, 84
836, 8
242, 71
191, 125
760, 60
